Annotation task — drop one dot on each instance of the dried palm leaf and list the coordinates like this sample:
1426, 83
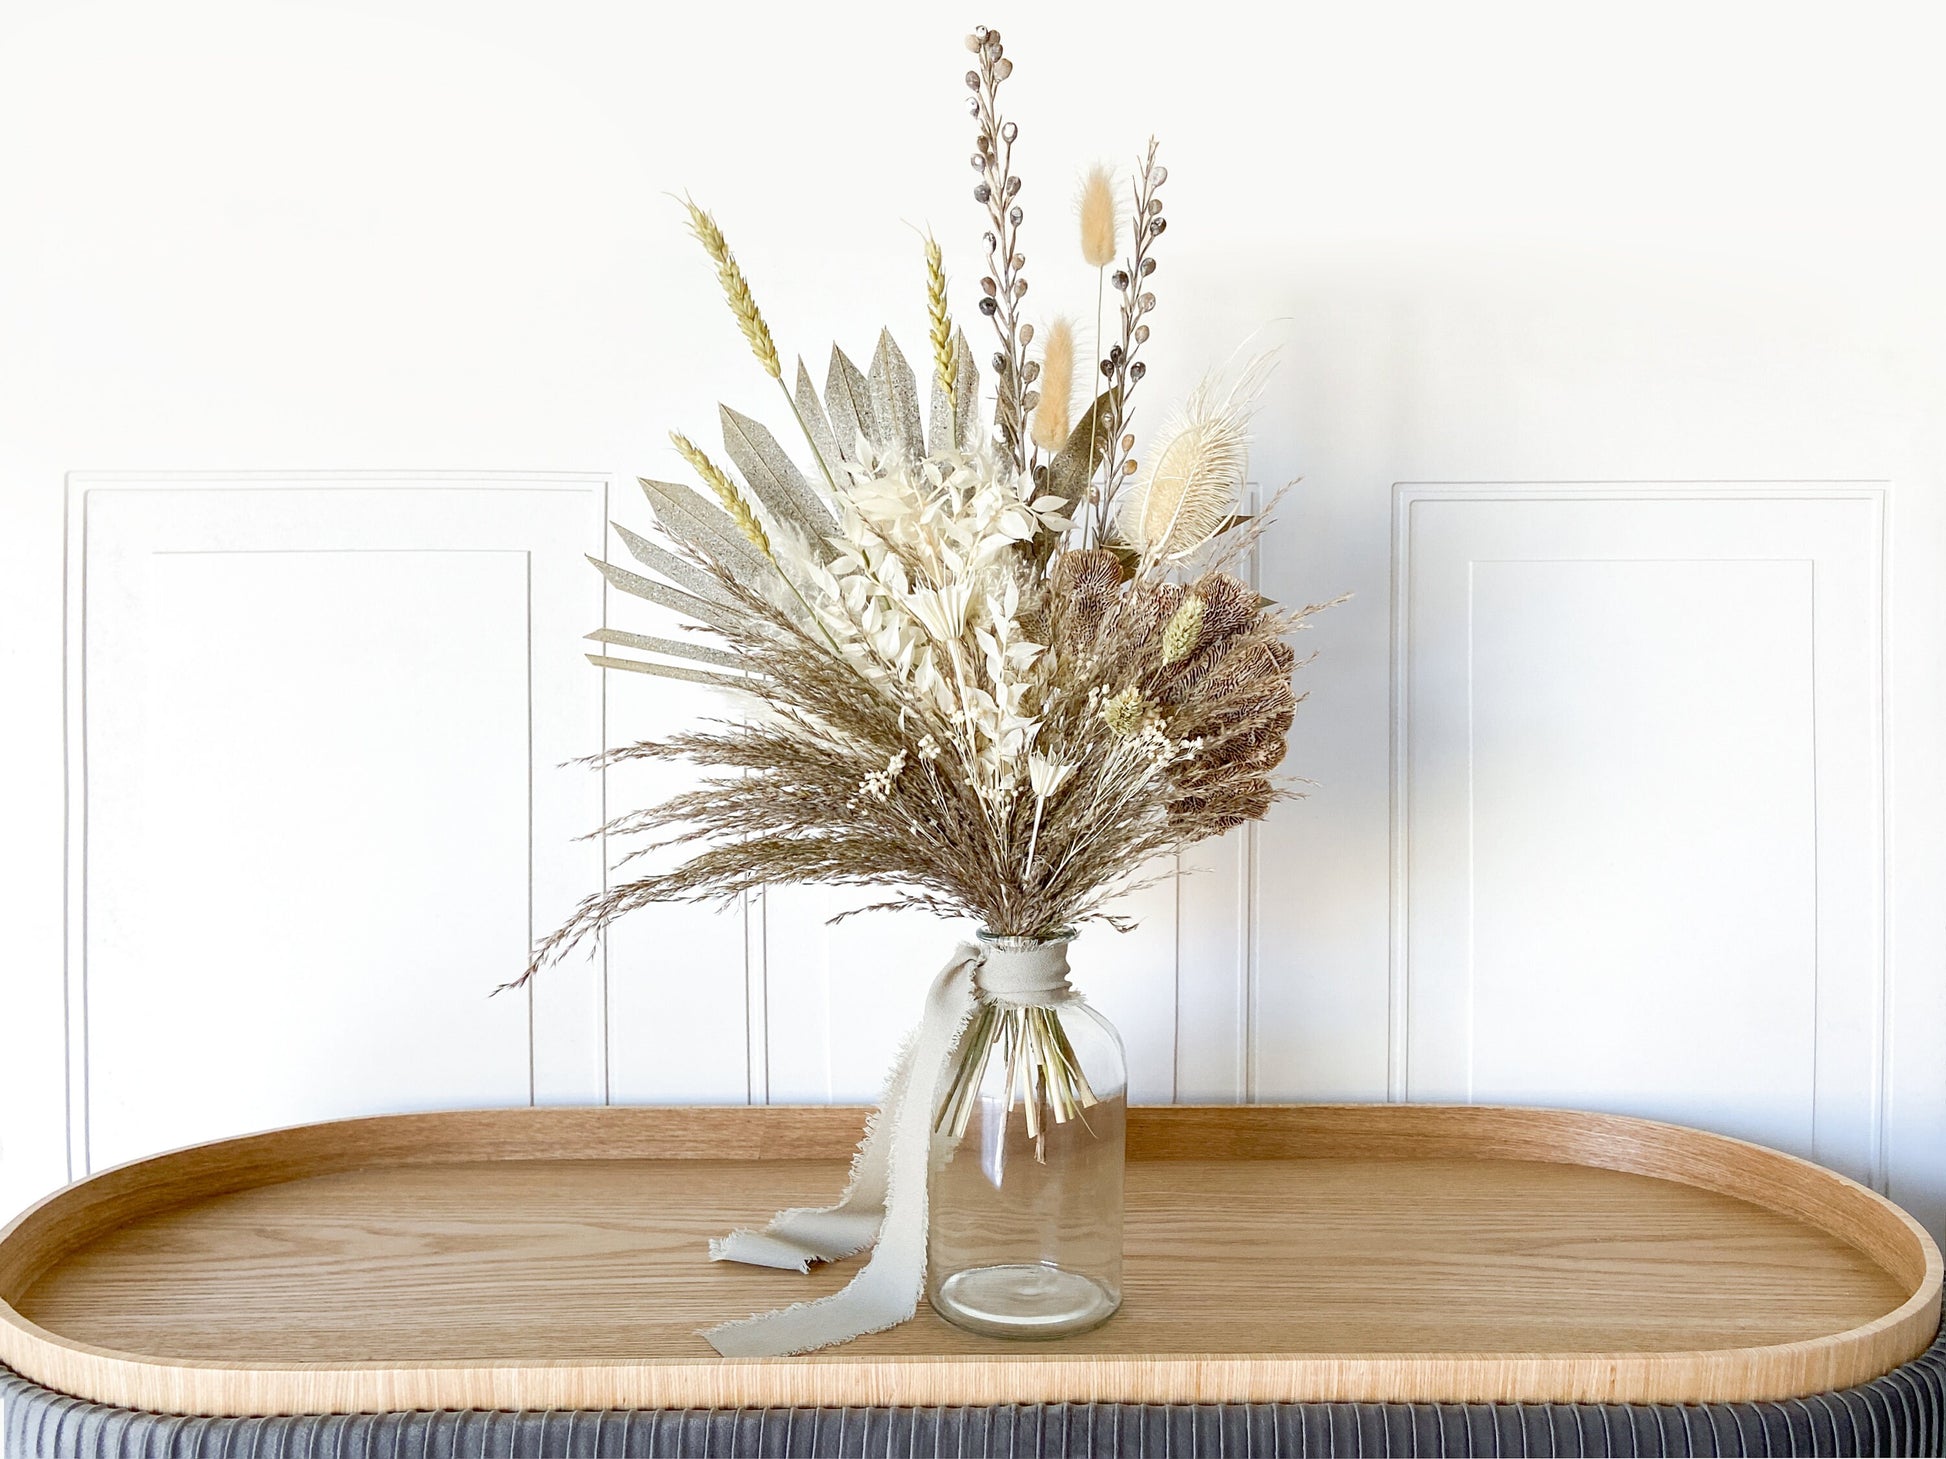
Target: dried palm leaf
895, 400
849, 401
704, 529
681, 648
817, 425
665, 596
774, 477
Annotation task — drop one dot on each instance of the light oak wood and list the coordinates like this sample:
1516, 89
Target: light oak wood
554, 1258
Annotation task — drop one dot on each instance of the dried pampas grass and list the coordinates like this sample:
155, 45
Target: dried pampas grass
1054, 415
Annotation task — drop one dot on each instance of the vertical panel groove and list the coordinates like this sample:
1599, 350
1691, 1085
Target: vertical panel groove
1817, 910
1399, 948
1882, 1111
602, 949
527, 573
1472, 845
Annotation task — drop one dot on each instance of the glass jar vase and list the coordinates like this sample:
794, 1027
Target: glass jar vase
1025, 1230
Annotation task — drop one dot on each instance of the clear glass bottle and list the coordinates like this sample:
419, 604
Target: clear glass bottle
1025, 1229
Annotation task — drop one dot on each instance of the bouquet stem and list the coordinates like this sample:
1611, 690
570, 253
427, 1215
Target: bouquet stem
1041, 1071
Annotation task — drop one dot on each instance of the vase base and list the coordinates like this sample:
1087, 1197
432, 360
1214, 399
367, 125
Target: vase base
1023, 1299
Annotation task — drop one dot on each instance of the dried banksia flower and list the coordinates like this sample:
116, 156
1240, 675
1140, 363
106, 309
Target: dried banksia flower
1084, 585
1141, 612
1183, 631
736, 289
943, 363
1250, 662
1229, 603
1230, 805
1054, 416
1097, 210
725, 491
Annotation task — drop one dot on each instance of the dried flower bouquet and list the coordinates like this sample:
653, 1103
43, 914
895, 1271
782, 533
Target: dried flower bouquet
994, 660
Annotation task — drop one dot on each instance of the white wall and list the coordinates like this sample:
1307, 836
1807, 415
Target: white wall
324, 327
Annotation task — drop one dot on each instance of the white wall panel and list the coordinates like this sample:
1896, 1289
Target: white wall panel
1638, 802
318, 725
684, 982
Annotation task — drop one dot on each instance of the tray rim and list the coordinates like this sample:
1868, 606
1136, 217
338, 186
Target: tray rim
75, 1216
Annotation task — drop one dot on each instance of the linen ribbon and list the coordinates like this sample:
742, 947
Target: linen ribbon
884, 1203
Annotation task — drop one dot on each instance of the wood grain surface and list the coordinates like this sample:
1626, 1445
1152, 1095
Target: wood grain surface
556, 1258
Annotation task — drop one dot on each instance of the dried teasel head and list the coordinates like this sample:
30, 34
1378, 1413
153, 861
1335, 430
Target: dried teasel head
1096, 207
1188, 490
1054, 414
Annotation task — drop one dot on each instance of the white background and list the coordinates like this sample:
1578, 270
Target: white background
330, 332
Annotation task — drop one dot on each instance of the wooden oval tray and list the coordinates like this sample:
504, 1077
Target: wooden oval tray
555, 1258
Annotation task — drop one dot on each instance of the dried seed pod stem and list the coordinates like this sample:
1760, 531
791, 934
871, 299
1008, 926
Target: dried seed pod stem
1004, 285
1120, 366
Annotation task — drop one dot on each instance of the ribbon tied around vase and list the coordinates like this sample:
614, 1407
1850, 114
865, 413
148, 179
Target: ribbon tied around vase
884, 1203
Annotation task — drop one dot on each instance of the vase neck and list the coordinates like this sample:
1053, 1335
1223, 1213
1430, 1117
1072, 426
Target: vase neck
1023, 972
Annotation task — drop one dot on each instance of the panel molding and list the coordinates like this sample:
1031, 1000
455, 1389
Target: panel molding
566, 1033
1867, 799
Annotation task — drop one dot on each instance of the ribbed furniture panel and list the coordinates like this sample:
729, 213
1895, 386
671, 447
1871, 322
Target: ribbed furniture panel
1903, 1413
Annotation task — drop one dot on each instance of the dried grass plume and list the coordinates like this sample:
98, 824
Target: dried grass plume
1054, 416
1098, 220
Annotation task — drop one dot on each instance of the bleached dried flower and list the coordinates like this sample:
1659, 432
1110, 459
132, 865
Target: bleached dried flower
942, 610
878, 784
1045, 774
